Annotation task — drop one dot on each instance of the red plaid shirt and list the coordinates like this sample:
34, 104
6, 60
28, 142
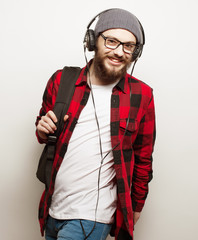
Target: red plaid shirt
132, 156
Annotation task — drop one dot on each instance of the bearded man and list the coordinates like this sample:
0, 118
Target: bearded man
101, 177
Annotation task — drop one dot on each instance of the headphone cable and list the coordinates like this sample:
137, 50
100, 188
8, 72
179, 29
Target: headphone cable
100, 142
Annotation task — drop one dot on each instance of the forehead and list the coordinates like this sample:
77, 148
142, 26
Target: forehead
121, 34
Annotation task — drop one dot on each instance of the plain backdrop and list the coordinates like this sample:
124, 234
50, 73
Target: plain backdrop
37, 38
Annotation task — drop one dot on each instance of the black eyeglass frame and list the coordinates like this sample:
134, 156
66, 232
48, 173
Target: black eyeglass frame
119, 43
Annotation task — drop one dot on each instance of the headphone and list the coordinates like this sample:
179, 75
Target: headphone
90, 38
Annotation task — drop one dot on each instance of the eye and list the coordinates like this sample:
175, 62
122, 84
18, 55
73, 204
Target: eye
129, 46
112, 42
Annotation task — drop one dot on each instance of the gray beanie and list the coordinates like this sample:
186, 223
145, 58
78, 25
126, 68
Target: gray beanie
119, 18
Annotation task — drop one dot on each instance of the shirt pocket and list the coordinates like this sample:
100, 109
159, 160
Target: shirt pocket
128, 132
128, 128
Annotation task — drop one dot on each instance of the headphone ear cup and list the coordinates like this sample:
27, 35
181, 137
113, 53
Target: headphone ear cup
90, 40
137, 53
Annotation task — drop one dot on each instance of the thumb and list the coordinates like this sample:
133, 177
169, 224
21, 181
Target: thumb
66, 117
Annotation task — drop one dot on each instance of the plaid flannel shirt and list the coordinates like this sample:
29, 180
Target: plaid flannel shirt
133, 154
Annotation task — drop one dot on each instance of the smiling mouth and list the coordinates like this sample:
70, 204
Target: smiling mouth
115, 61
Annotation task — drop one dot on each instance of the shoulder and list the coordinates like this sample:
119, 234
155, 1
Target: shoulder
138, 86
56, 76
54, 82
52, 86
66, 71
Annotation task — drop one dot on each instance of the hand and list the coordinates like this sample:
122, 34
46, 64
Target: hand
47, 124
136, 216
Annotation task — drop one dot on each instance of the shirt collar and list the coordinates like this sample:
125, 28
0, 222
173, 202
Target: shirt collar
121, 85
83, 76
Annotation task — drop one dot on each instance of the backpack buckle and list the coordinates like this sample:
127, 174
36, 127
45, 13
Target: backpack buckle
52, 139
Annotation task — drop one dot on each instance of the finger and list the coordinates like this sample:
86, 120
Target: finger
49, 126
47, 120
136, 217
42, 130
52, 115
66, 117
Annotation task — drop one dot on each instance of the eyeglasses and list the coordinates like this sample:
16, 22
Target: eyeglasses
113, 43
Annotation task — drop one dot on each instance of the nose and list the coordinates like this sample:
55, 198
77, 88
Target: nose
119, 51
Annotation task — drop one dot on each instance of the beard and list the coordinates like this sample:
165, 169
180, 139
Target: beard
108, 75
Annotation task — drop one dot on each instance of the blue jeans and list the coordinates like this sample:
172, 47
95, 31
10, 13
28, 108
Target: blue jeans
73, 230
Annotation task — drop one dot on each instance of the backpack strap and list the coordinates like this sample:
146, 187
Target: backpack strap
65, 92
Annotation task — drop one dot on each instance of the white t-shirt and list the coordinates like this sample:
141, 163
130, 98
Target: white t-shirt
76, 184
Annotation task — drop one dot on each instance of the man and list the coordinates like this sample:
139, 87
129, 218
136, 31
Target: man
103, 159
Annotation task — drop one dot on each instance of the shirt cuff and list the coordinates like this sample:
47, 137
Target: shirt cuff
40, 140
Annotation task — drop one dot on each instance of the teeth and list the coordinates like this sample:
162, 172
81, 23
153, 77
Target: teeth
114, 60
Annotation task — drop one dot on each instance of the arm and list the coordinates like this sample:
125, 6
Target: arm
143, 148
45, 120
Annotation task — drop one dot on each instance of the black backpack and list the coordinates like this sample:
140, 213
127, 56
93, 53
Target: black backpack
63, 99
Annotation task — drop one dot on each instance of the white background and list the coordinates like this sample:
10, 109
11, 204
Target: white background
37, 38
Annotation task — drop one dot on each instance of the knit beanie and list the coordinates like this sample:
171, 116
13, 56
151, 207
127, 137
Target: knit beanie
119, 18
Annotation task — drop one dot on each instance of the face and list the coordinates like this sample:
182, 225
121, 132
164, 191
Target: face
110, 65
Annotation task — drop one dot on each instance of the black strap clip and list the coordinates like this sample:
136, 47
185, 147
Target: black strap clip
52, 139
